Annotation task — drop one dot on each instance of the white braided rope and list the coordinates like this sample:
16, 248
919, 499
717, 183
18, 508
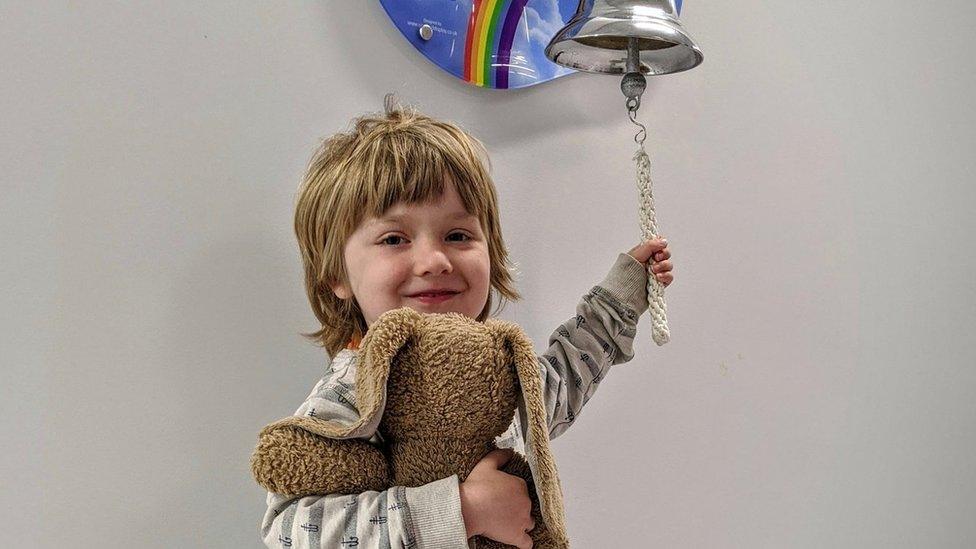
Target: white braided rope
655, 289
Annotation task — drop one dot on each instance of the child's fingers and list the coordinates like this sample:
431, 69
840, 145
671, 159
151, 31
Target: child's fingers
495, 459
643, 251
662, 267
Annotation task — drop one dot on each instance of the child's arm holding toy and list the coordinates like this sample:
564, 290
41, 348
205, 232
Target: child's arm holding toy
424, 516
601, 333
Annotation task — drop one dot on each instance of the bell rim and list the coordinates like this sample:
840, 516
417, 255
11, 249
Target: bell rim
602, 26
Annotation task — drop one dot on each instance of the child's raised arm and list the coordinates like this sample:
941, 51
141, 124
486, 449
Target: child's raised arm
583, 348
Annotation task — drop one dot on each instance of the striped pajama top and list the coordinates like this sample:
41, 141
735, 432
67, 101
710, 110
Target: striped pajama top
580, 352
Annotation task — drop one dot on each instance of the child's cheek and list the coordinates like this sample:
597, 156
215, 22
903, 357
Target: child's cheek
394, 276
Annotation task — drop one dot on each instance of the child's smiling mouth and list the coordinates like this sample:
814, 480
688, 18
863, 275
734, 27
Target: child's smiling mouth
433, 298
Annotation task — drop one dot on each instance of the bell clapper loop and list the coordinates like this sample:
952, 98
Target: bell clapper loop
633, 103
632, 106
633, 86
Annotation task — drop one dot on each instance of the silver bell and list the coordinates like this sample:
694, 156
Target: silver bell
596, 39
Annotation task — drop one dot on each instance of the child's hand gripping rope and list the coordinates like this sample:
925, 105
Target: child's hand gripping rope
657, 251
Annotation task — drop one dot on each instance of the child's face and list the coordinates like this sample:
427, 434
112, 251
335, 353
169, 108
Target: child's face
389, 261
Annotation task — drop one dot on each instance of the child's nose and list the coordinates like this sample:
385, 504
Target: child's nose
431, 259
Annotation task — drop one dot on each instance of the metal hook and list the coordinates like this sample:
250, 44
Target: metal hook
633, 103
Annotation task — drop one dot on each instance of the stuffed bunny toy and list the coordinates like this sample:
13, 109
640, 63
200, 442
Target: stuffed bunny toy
438, 388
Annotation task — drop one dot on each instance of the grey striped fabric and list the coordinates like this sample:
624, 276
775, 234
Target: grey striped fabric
580, 352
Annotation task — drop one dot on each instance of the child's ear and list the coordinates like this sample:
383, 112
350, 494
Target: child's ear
341, 290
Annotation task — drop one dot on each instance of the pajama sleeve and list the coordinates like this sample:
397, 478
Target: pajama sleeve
600, 335
427, 516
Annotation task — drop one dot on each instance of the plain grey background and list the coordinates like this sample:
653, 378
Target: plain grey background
814, 177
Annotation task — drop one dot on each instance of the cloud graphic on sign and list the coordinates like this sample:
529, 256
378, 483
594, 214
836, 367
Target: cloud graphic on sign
541, 28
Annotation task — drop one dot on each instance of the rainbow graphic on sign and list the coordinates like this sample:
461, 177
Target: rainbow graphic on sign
488, 45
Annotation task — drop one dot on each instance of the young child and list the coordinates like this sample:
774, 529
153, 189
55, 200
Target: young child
401, 211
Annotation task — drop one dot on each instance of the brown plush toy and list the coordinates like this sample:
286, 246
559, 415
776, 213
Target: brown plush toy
439, 388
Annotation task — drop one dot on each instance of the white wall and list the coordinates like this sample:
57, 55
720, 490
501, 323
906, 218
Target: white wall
814, 176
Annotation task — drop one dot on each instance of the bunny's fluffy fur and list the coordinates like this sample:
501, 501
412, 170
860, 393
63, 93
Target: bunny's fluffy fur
442, 387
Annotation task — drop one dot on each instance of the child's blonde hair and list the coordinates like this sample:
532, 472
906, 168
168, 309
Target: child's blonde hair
399, 156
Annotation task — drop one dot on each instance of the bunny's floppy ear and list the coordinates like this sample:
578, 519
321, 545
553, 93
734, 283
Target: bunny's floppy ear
532, 414
382, 342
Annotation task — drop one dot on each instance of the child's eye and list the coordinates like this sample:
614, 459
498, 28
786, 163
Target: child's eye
386, 240
397, 239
